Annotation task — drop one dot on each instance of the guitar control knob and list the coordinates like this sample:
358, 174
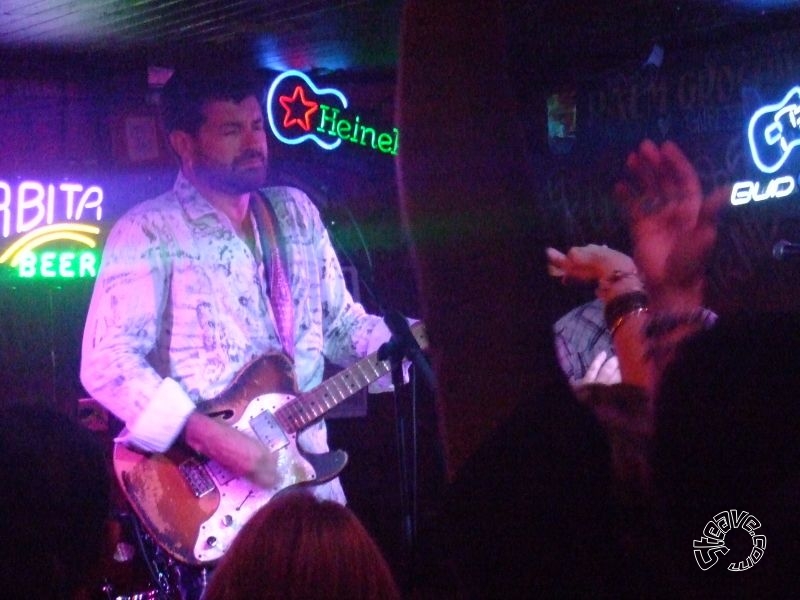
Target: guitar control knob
227, 520
211, 541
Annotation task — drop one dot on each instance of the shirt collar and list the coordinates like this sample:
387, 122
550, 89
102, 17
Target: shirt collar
195, 205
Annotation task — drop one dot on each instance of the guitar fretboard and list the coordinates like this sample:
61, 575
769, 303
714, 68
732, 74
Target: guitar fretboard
308, 407
312, 405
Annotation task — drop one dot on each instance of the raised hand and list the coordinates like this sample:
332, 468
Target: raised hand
672, 224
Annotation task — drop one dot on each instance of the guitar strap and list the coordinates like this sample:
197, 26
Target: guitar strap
273, 256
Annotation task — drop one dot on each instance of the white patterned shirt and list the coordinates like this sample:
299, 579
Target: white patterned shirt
180, 307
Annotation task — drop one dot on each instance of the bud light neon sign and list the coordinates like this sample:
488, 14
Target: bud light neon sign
299, 111
773, 133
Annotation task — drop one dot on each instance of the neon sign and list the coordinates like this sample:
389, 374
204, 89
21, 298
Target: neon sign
64, 265
745, 191
774, 131
772, 134
50, 242
299, 111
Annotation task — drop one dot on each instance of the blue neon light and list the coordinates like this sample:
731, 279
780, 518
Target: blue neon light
774, 131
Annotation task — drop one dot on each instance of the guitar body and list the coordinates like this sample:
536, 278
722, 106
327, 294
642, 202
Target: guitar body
194, 508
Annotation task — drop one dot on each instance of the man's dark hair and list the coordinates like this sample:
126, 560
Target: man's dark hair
187, 92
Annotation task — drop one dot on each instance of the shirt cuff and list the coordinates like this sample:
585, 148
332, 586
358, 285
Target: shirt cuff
162, 420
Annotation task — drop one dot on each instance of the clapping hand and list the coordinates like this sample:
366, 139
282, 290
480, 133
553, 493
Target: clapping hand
602, 370
594, 264
587, 264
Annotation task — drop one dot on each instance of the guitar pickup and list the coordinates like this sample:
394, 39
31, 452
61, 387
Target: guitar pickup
196, 476
268, 431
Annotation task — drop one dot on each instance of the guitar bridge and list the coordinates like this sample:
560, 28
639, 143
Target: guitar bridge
197, 477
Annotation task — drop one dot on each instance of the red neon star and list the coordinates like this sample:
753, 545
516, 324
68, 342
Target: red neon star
295, 100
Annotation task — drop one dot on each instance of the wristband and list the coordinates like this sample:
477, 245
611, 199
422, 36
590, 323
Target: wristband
622, 306
618, 323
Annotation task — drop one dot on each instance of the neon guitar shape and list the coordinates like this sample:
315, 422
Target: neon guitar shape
292, 100
774, 131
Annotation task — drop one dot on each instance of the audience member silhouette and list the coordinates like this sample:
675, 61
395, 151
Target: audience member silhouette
298, 547
527, 506
726, 439
54, 503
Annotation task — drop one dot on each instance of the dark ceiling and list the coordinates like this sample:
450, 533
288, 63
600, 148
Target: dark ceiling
303, 34
588, 37
354, 35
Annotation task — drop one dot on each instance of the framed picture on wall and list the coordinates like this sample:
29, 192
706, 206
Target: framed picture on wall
141, 138
137, 139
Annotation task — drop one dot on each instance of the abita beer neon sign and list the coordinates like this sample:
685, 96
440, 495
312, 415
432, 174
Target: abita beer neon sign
299, 111
773, 133
44, 220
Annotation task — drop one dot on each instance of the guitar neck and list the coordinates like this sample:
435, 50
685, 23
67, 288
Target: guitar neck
312, 405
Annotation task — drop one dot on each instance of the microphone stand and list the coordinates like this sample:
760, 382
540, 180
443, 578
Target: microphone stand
403, 345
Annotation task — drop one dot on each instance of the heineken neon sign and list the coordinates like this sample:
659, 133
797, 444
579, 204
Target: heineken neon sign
43, 225
773, 133
298, 111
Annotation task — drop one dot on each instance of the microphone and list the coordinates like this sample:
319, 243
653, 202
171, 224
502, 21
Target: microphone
783, 250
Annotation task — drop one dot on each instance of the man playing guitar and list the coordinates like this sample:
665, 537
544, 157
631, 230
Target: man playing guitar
197, 284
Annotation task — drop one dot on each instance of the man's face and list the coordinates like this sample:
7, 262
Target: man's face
229, 152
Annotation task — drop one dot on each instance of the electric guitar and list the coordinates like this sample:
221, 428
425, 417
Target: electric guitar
191, 506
